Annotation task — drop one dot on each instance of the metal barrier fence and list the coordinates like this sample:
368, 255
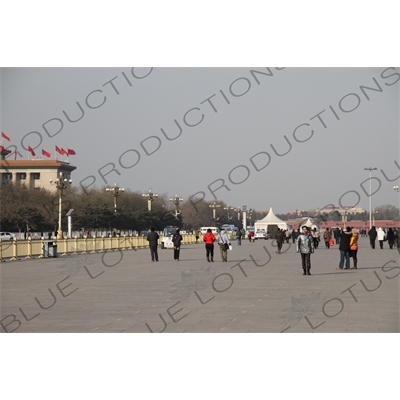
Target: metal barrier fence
17, 249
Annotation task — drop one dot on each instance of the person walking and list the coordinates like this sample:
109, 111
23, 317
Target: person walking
381, 237
152, 238
287, 235
305, 246
354, 247
279, 240
344, 248
395, 237
251, 236
295, 234
315, 236
177, 240
209, 240
197, 236
327, 238
390, 238
223, 243
372, 236
336, 235
239, 237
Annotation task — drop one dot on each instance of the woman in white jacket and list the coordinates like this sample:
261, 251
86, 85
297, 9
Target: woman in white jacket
381, 237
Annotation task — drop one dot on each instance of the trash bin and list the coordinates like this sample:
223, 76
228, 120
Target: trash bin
50, 249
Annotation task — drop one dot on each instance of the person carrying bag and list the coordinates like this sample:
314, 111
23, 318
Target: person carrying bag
224, 244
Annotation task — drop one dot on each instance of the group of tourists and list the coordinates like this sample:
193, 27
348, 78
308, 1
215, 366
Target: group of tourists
208, 238
153, 237
391, 236
306, 240
222, 241
348, 247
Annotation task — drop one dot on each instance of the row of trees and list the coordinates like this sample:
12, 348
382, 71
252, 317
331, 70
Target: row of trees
24, 209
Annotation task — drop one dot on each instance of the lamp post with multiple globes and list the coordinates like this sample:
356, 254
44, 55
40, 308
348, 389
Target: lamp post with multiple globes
61, 184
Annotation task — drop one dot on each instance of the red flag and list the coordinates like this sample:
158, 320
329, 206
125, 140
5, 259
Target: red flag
71, 152
3, 135
4, 151
64, 151
46, 153
31, 151
58, 150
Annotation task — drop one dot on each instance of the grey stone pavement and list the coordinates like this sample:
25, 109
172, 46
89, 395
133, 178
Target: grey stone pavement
256, 291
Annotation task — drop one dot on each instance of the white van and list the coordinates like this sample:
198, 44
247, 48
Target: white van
166, 241
203, 229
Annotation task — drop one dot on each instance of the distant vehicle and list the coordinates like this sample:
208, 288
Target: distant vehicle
6, 236
166, 241
261, 234
203, 229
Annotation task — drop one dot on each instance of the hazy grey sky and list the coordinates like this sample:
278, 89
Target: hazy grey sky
228, 130
316, 172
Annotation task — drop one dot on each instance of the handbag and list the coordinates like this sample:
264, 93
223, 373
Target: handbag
226, 246
331, 242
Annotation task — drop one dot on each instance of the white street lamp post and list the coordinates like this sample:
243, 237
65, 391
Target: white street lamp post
177, 201
116, 192
150, 198
214, 206
61, 183
370, 169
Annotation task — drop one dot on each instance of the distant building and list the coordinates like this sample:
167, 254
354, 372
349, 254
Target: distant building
315, 211
34, 173
347, 209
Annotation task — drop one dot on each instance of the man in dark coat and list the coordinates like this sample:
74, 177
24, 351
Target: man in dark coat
372, 236
239, 237
336, 235
390, 238
295, 235
177, 240
152, 237
279, 239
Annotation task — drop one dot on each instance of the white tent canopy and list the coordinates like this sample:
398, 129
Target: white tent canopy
270, 219
309, 224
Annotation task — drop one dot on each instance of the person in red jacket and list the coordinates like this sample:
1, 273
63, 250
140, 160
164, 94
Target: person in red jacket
209, 240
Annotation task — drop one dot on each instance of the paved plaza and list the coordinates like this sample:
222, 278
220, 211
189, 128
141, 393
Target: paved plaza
257, 290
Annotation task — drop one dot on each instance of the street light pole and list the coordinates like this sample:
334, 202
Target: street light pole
176, 200
214, 206
370, 169
238, 211
344, 219
116, 192
373, 216
150, 198
61, 183
228, 208
244, 211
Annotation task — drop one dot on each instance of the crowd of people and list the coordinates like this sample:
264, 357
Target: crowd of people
306, 240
